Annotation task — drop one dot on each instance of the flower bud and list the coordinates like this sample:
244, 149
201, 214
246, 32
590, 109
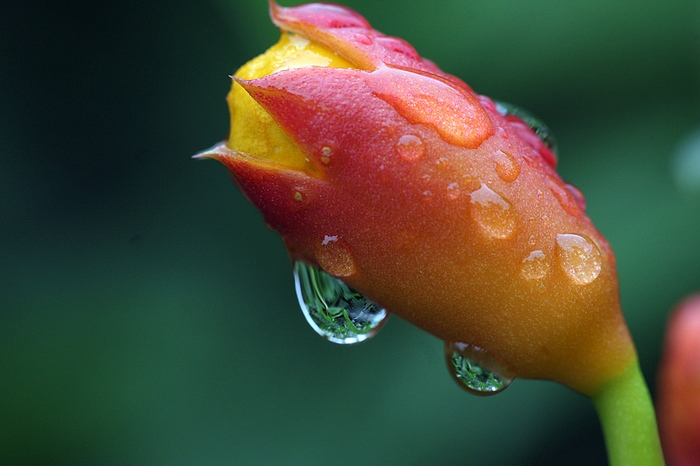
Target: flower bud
443, 208
679, 386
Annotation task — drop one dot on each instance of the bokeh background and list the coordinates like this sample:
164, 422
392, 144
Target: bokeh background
147, 316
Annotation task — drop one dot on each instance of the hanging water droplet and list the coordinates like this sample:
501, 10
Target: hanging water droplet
535, 266
410, 147
335, 311
494, 214
579, 257
475, 369
507, 166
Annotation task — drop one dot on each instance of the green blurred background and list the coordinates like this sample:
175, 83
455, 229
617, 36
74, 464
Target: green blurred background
147, 316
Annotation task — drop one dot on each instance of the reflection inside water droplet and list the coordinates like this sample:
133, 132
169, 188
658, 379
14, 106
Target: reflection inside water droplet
335, 311
494, 214
579, 257
475, 369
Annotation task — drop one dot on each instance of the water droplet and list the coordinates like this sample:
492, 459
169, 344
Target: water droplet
579, 257
335, 311
475, 369
535, 266
493, 213
410, 147
507, 166
326, 153
334, 255
453, 191
563, 195
427, 99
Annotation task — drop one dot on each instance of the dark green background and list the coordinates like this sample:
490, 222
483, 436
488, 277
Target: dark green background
147, 316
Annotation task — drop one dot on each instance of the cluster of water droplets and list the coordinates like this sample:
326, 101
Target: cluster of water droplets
578, 256
342, 315
335, 311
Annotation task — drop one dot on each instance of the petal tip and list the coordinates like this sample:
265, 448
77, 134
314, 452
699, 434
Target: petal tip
216, 152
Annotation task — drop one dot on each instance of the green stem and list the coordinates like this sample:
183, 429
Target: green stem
629, 423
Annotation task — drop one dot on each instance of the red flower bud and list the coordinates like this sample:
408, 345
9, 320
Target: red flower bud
438, 206
679, 386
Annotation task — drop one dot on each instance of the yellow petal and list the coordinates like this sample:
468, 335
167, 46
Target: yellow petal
253, 130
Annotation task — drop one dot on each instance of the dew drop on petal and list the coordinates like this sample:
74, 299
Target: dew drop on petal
410, 147
535, 266
495, 215
579, 257
425, 99
507, 166
475, 369
335, 257
453, 191
335, 311
326, 153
